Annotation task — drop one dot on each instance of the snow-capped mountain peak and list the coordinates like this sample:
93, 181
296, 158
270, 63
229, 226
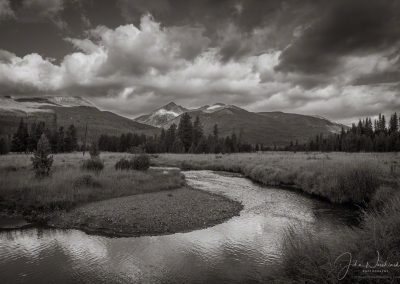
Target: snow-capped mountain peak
215, 107
162, 115
165, 115
163, 111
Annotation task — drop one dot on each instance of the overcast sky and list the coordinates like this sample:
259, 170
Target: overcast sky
338, 59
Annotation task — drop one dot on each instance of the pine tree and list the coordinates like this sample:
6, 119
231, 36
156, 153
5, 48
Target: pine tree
217, 144
74, 139
197, 132
235, 144
202, 146
61, 140
394, 124
54, 142
162, 141
20, 138
177, 146
15, 144
216, 132
70, 141
4, 147
185, 131
170, 137
32, 139
368, 127
41, 160
228, 144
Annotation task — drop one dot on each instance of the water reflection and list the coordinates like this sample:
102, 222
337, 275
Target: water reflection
238, 250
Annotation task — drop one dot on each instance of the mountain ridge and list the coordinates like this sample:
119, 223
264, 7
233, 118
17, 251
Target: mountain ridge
269, 128
63, 111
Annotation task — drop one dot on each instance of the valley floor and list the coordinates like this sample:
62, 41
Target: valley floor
111, 202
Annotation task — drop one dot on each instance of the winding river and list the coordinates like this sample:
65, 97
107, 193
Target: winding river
242, 249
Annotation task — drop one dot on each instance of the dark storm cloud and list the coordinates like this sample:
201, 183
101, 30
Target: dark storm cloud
332, 58
230, 24
343, 28
40, 26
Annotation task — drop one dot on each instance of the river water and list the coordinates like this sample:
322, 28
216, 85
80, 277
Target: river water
243, 249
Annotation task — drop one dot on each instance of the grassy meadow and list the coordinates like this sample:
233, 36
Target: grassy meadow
69, 185
367, 179
337, 177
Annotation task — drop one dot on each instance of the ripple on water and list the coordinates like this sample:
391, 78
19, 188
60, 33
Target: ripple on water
238, 250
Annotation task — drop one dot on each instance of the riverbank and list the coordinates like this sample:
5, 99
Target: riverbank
166, 212
110, 202
371, 180
352, 178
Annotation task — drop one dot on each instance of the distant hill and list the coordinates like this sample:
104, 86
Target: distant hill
63, 111
268, 128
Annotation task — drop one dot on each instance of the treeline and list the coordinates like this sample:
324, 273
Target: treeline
366, 136
26, 138
187, 137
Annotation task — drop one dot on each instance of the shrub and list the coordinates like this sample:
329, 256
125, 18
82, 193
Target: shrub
141, 162
94, 151
123, 164
86, 181
95, 165
41, 160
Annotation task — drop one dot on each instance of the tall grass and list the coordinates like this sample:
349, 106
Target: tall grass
338, 177
311, 258
69, 186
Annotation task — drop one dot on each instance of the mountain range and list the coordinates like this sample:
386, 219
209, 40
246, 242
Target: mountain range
63, 111
268, 128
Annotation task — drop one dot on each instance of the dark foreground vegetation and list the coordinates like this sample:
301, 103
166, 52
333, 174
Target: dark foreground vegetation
370, 181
